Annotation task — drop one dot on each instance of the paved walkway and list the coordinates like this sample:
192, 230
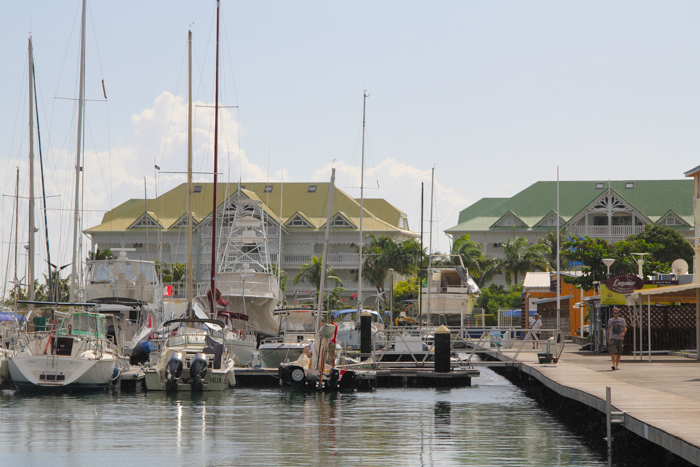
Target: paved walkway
661, 398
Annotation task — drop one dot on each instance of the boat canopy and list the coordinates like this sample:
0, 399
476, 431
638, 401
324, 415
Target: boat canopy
351, 313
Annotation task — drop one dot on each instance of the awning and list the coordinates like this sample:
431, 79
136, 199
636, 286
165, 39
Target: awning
674, 293
551, 299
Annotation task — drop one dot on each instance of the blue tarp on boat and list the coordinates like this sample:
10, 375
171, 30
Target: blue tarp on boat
9, 316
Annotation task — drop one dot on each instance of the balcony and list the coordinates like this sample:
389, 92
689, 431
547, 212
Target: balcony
605, 231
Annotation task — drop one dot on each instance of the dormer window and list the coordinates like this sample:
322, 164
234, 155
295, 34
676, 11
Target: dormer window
629, 186
312, 189
268, 189
198, 188
599, 186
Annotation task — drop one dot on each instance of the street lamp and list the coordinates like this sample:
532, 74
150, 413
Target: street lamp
608, 262
640, 261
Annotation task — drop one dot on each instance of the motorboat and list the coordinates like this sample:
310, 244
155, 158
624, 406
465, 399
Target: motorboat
75, 354
296, 333
130, 290
245, 280
348, 322
241, 341
194, 358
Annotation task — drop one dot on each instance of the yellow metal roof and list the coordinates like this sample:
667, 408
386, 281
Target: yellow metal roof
307, 198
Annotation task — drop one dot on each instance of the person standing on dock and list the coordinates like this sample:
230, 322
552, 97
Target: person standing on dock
536, 325
617, 327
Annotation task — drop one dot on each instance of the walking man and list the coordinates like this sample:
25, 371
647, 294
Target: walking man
617, 327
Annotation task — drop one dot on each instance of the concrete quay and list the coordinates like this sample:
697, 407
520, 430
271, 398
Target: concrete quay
660, 398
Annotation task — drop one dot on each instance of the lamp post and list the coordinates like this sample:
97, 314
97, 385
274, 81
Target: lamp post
608, 262
640, 258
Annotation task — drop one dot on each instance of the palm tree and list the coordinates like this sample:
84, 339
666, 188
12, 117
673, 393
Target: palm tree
311, 272
384, 253
481, 268
484, 268
550, 240
521, 258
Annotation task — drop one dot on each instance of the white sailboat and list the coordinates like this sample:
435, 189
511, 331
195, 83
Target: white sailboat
320, 373
77, 354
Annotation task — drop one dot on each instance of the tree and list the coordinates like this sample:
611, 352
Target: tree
384, 253
674, 245
481, 268
590, 253
311, 272
521, 258
550, 241
101, 254
495, 296
175, 273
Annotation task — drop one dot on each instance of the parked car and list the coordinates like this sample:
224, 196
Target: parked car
585, 331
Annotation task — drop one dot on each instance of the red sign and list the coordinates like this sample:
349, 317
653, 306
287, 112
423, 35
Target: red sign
624, 283
168, 291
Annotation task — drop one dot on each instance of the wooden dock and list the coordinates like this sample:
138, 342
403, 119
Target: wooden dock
660, 398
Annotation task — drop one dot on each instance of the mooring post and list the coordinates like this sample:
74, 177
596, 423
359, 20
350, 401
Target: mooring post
611, 417
608, 419
442, 350
365, 332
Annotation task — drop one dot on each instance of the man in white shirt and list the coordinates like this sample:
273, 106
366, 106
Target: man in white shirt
536, 325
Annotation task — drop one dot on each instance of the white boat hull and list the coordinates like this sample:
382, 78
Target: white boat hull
52, 372
274, 354
215, 380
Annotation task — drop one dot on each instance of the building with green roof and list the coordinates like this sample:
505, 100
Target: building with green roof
611, 210
156, 229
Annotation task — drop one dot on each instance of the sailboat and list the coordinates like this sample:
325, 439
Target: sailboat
77, 353
319, 372
195, 356
349, 322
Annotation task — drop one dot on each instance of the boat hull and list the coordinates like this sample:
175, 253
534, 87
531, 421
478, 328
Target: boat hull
215, 380
274, 354
51, 373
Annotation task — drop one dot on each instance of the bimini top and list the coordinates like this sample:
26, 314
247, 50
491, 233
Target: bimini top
335, 314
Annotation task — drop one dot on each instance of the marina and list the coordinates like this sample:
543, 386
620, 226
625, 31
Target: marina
248, 427
247, 311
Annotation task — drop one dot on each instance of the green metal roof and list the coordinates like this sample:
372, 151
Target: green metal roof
652, 198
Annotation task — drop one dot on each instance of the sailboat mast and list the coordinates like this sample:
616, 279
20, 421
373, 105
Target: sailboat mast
326, 241
429, 275
362, 204
189, 174
212, 282
30, 273
79, 140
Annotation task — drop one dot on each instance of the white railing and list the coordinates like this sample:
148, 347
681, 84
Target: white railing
604, 231
465, 342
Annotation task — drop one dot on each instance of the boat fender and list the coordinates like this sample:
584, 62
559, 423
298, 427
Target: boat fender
173, 368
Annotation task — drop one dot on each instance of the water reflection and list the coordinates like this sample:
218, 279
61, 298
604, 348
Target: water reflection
490, 424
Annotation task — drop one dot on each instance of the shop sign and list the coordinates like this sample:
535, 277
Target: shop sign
624, 283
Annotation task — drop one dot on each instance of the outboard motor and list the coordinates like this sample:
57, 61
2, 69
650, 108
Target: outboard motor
173, 370
198, 370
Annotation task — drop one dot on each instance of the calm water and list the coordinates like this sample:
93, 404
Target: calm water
489, 424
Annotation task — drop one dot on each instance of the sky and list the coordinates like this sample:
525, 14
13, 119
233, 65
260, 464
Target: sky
493, 96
